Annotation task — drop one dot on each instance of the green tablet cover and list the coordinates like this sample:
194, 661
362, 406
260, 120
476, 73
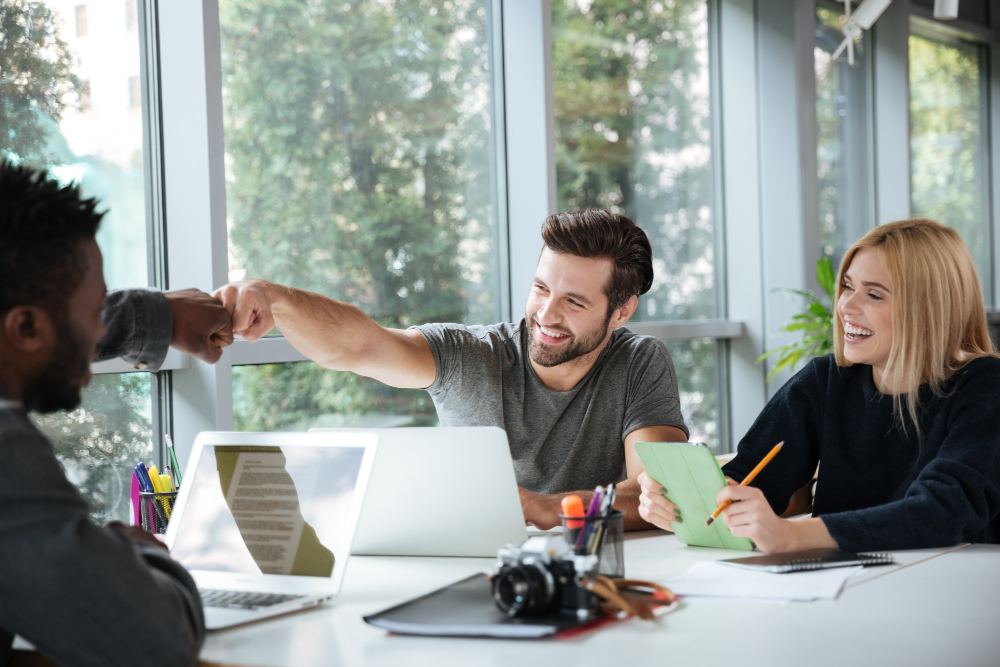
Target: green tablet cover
691, 477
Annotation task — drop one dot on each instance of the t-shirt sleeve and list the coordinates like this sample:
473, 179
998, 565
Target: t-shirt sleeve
653, 398
792, 415
457, 351
956, 494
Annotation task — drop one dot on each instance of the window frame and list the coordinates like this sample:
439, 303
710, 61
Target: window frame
193, 186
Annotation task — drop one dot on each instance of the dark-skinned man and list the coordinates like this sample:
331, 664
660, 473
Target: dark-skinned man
82, 594
572, 388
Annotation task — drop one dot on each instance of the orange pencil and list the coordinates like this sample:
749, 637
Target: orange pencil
746, 481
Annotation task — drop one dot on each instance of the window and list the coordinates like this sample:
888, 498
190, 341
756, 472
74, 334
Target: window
633, 135
843, 103
83, 132
84, 96
134, 92
300, 396
358, 157
948, 139
99, 443
81, 20
131, 16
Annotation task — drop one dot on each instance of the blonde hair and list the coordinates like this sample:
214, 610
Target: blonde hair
938, 316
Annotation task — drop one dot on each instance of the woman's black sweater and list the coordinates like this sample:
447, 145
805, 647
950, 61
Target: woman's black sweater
879, 487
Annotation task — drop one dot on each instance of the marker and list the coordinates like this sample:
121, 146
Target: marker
595, 506
573, 506
144, 482
746, 481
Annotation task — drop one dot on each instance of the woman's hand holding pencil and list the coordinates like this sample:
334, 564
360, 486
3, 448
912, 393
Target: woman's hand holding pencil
746, 481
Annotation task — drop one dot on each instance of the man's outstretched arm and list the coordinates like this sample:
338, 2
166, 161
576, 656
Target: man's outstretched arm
143, 323
334, 334
542, 509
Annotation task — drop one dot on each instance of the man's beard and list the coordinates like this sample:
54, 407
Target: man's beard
543, 356
59, 384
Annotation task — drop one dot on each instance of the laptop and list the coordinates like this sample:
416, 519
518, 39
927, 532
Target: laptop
264, 521
439, 492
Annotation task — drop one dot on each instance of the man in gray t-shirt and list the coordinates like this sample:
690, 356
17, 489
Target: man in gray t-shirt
573, 389
560, 440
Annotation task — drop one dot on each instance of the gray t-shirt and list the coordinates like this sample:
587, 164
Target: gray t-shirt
560, 440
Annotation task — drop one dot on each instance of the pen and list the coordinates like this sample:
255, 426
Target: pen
592, 509
173, 459
607, 506
746, 481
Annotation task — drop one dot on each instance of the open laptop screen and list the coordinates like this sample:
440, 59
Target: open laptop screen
269, 510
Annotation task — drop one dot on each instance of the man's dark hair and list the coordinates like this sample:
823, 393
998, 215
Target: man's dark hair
598, 233
42, 225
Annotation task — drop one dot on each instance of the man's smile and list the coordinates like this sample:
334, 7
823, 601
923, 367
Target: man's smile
551, 336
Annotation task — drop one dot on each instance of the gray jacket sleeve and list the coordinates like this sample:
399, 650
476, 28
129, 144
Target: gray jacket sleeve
82, 594
139, 328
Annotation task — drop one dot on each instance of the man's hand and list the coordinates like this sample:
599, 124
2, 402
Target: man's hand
540, 509
201, 325
136, 533
249, 306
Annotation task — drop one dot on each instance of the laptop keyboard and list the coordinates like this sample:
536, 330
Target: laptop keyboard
227, 599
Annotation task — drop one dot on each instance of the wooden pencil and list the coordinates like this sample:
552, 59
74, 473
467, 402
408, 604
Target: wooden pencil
746, 481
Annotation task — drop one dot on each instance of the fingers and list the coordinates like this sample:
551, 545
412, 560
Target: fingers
647, 482
654, 506
737, 492
252, 317
731, 482
227, 294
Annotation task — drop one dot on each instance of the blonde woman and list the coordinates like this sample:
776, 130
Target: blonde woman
905, 415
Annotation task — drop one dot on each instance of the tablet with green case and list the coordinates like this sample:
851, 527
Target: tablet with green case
692, 478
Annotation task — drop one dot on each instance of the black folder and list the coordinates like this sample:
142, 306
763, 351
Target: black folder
466, 609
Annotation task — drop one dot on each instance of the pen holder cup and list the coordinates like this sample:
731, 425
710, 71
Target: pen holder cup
155, 510
604, 536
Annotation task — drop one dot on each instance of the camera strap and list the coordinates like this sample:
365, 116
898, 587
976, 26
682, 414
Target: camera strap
630, 597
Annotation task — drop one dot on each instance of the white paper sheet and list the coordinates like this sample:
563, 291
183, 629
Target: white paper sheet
711, 579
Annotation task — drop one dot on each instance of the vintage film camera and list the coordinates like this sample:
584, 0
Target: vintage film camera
543, 575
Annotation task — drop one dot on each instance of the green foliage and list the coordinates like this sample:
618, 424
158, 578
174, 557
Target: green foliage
36, 79
947, 139
99, 442
300, 396
630, 81
814, 324
358, 142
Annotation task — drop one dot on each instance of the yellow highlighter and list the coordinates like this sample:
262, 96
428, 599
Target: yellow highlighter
166, 482
157, 480
154, 477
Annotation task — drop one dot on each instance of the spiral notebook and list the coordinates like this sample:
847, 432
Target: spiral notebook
812, 559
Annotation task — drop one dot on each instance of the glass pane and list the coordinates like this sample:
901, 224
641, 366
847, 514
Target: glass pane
74, 112
842, 151
694, 363
631, 82
100, 442
358, 153
303, 395
948, 172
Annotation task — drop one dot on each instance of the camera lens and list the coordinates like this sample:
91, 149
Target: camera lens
523, 589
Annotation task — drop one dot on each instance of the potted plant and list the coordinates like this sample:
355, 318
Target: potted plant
814, 323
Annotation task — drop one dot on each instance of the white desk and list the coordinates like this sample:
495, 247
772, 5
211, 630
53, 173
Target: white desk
944, 608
